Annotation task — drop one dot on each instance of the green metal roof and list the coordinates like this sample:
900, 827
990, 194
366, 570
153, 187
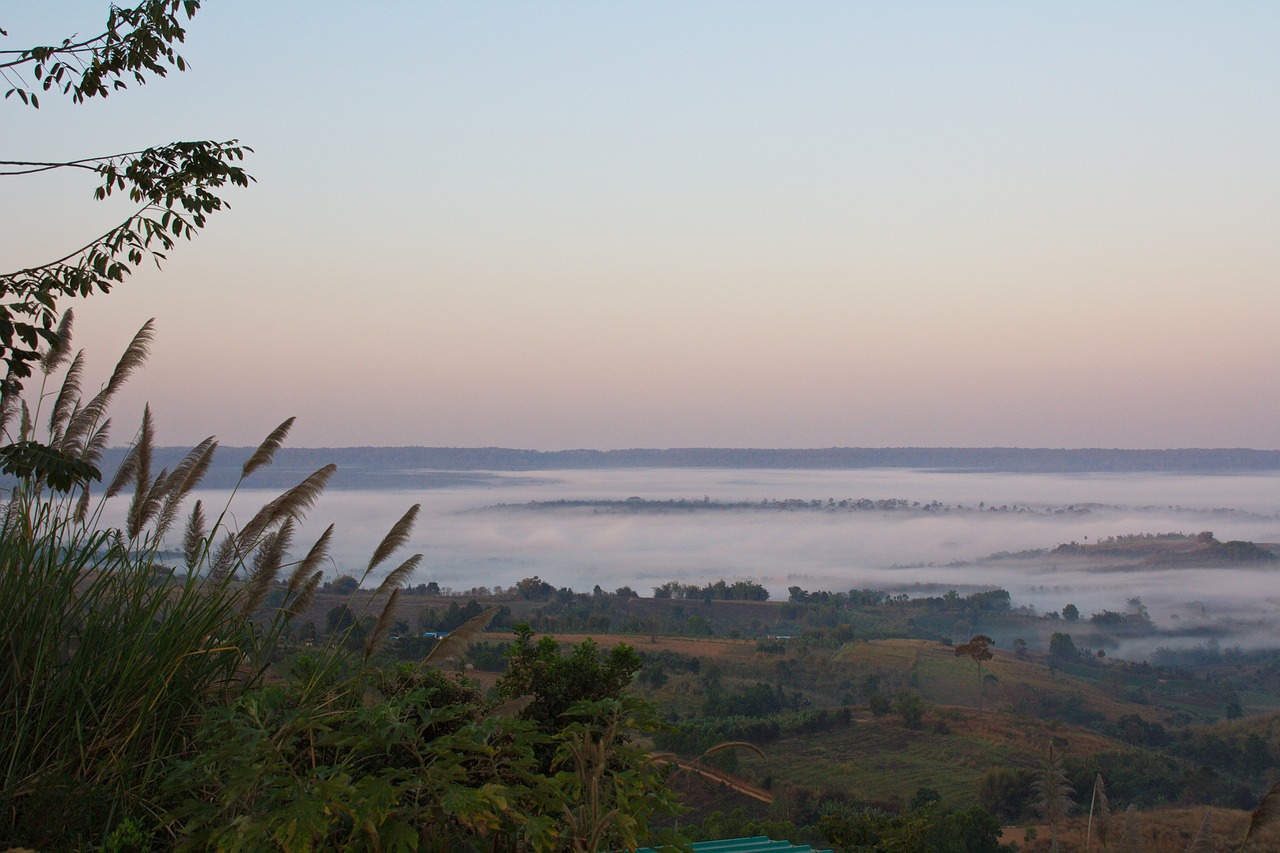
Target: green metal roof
757, 844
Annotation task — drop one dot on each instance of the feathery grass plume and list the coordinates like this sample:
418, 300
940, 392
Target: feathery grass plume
65, 402
193, 539
56, 355
396, 537
8, 405
186, 476
588, 822
82, 506
1266, 812
310, 563
76, 405
97, 443
379, 633
1053, 794
257, 525
144, 449
270, 554
397, 578
224, 559
1131, 842
457, 640
1203, 842
305, 595
267, 450
25, 427
135, 355
188, 473
85, 418
1099, 802
152, 503
124, 474
293, 503
267, 560
255, 590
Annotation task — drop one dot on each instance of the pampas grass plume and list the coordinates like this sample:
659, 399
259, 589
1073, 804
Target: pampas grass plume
267, 450
395, 538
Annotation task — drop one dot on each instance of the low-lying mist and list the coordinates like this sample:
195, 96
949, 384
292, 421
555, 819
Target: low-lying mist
470, 541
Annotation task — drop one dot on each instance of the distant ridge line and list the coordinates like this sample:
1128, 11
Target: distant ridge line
407, 467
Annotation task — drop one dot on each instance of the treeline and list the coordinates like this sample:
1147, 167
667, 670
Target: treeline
992, 600
743, 590
705, 504
1209, 551
1233, 551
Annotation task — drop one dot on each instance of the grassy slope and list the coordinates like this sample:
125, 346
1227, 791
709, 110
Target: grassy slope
882, 761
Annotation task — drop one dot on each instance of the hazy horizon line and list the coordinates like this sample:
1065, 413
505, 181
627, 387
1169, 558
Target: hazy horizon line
407, 465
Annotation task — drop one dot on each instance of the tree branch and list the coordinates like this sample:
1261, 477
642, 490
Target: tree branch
137, 40
175, 186
82, 163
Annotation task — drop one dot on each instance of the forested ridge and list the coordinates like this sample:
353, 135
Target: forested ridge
406, 467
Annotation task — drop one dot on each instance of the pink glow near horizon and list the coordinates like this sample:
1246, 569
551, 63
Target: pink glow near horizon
737, 224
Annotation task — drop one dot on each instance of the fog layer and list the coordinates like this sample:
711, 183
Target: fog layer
467, 542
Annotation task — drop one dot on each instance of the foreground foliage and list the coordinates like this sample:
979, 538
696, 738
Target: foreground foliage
137, 701
425, 766
149, 706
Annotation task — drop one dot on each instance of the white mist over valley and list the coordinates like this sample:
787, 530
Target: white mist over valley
491, 529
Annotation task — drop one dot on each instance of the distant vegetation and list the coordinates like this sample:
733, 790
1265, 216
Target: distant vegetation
829, 505
838, 687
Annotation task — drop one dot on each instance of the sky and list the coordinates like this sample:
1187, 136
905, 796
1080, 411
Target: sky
809, 224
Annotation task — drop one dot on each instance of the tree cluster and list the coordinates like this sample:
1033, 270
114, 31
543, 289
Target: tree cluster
740, 590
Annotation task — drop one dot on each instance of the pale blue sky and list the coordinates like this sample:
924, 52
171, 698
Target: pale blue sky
673, 224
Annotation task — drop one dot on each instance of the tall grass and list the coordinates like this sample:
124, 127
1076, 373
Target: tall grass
111, 660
